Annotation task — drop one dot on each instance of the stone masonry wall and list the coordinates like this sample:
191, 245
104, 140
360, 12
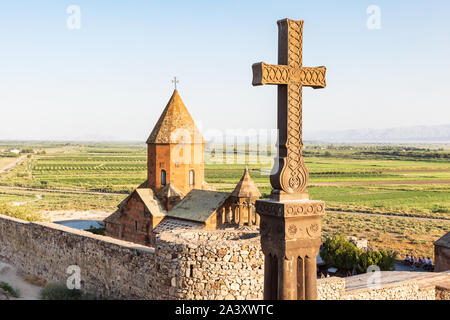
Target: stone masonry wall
407, 290
213, 264
185, 264
109, 267
442, 293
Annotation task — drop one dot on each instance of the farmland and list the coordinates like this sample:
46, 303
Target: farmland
394, 181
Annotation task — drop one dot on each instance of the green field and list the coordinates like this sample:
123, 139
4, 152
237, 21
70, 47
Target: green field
403, 235
357, 178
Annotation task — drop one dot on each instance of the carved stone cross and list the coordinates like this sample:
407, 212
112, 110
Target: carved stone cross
291, 176
290, 223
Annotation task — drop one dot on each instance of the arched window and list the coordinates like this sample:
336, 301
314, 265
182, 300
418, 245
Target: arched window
191, 178
163, 177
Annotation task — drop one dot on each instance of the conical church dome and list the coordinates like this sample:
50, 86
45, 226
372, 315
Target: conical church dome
246, 188
175, 124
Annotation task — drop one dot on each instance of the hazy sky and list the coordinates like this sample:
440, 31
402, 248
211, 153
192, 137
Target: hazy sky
112, 77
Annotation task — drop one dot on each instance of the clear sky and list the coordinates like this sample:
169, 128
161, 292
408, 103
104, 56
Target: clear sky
112, 77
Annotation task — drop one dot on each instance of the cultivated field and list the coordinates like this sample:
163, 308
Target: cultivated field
391, 194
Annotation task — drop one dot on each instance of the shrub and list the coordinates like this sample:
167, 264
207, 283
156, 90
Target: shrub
339, 252
387, 262
13, 292
100, 231
61, 292
19, 212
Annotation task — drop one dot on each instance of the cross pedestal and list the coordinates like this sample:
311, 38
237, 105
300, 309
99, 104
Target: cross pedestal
290, 240
290, 222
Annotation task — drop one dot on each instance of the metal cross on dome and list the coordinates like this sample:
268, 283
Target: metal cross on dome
175, 81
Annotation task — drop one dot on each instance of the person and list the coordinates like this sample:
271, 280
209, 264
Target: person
429, 264
349, 274
408, 259
328, 275
354, 272
322, 276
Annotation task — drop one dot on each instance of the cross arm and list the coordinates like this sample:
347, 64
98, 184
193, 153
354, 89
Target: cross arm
313, 77
264, 73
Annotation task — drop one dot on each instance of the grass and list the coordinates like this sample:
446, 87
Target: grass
429, 201
52, 201
34, 280
61, 292
7, 287
4, 161
404, 235
23, 213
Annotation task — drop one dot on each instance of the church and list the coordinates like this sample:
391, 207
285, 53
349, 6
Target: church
175, 194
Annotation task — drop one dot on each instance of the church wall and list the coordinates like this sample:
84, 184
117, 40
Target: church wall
135, 215
212, 222
112, 230
158, 158
183, 159
442, 259
177, 160
215, 220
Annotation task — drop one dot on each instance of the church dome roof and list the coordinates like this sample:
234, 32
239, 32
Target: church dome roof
175, 124
246, 188
169, 191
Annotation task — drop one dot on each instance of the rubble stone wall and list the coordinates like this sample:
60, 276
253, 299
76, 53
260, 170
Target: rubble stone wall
213, 264
442, 293
407, 290
109, 268
185, 264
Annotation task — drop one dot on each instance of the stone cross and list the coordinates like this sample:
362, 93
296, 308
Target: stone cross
290, 223
175, 81
290, 179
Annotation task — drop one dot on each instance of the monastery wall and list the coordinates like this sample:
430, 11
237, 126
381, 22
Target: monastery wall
184, 264
406, 290
109, 268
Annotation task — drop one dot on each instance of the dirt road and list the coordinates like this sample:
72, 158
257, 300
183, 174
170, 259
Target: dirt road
27, 291
66, 215
13, 164
59, 190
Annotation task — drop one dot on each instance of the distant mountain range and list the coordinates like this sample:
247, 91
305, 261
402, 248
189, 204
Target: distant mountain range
427, 134
437, 134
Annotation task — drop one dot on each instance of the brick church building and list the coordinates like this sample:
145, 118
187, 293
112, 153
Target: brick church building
175, 194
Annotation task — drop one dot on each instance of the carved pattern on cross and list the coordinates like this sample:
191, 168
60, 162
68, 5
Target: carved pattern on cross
291, 76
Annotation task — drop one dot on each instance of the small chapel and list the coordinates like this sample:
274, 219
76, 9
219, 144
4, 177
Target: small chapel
175, 194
